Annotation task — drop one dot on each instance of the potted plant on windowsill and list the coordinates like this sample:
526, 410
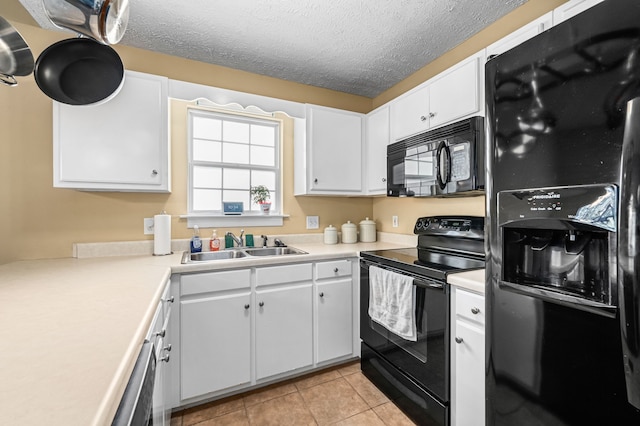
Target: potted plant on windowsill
261, 195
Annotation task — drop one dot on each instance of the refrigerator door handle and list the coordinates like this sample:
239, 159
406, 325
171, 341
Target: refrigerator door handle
629, 252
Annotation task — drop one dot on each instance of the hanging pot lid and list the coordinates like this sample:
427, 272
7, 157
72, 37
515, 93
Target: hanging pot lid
15, 56
79, 71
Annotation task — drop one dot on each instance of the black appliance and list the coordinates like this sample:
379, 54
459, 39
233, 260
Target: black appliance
415, 374
563, 316
136, 405
444, 161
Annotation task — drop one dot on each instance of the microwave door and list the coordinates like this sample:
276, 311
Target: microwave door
420, 171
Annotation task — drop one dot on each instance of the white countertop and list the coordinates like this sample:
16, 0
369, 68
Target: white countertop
71, 329
471, 280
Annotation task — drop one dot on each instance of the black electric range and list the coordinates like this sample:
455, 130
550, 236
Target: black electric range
415, 373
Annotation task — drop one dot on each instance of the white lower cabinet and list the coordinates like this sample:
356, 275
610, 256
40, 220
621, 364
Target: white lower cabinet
283, 330
248, 327
334, 307
468, 354
216, 331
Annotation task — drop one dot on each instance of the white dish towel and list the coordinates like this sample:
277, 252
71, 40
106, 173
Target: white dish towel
391, 302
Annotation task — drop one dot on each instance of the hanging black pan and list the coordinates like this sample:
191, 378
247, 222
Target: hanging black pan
79, 71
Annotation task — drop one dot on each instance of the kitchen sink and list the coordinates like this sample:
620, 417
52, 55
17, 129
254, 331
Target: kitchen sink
206, 256
273, 251
238, 253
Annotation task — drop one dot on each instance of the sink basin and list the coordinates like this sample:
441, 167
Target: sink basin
238, 253
273, 251
212, 255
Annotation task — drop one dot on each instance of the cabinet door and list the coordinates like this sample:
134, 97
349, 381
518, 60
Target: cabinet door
377, 139
468, 354
335, 320
468, 386
334, 150
455, 93
283, 330
520, 35
571, 9
120, 145
215, 343
410, 114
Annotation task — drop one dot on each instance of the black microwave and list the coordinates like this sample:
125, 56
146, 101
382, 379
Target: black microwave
440, 162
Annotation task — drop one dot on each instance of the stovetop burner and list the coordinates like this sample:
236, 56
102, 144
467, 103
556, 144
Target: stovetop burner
446, 244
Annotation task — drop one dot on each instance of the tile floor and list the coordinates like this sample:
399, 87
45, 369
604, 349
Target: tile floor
341, 395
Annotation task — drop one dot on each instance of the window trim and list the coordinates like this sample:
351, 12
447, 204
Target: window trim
249, 218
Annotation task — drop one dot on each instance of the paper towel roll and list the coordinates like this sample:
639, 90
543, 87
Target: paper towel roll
161, 234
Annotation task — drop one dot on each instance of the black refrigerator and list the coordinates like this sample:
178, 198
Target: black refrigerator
563, 196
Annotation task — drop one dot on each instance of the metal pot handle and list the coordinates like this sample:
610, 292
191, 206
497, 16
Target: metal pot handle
7, 79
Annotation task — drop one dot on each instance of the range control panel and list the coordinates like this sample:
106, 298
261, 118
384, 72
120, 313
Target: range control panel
443, 225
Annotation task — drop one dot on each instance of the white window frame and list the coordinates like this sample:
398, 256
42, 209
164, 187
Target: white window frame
209, 219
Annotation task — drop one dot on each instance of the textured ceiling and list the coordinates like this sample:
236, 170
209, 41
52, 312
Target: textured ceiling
355, 46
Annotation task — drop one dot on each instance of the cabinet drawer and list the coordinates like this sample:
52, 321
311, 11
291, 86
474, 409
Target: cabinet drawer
283, 274
215, 281
336, 268
470, 306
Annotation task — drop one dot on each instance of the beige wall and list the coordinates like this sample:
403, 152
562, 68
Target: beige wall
39, 221
408, 210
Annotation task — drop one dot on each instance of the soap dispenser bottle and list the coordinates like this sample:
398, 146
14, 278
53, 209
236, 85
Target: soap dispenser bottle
196, 242
214, 243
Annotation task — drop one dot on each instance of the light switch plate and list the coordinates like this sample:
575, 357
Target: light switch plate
394, 221
148, 225
313, 222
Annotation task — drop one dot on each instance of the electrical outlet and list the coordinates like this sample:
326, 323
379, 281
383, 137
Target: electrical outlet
394, 221
313, 222
148, 225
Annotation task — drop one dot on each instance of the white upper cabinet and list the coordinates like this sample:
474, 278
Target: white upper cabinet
377, 139
571, 9
456, 92
121, 145
410, 113
331, 163
520, 35
451, 95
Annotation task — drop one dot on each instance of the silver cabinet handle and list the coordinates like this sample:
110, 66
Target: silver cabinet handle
423, 118
315, 180
261, 304
475, 311
384, 179
167, 348
432, 114
458, 340
336, 270
165, 358
247, 306
154, 172
321, 294
170, 299
161, 333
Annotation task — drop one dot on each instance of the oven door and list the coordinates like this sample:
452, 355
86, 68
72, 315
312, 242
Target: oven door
425, 361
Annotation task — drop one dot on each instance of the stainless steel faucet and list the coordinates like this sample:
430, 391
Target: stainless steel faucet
264, 241
238, 240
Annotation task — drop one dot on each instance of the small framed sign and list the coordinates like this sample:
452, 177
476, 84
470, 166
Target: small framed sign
232, 207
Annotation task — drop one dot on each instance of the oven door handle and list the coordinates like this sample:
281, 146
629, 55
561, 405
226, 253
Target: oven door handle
417, 280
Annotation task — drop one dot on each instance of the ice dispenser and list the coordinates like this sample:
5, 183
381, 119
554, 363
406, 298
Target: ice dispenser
560, 244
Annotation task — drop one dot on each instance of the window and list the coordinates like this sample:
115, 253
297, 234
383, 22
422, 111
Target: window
228, 154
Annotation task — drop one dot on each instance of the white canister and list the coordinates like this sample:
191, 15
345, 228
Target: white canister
331, 235
367, 231
349, 233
